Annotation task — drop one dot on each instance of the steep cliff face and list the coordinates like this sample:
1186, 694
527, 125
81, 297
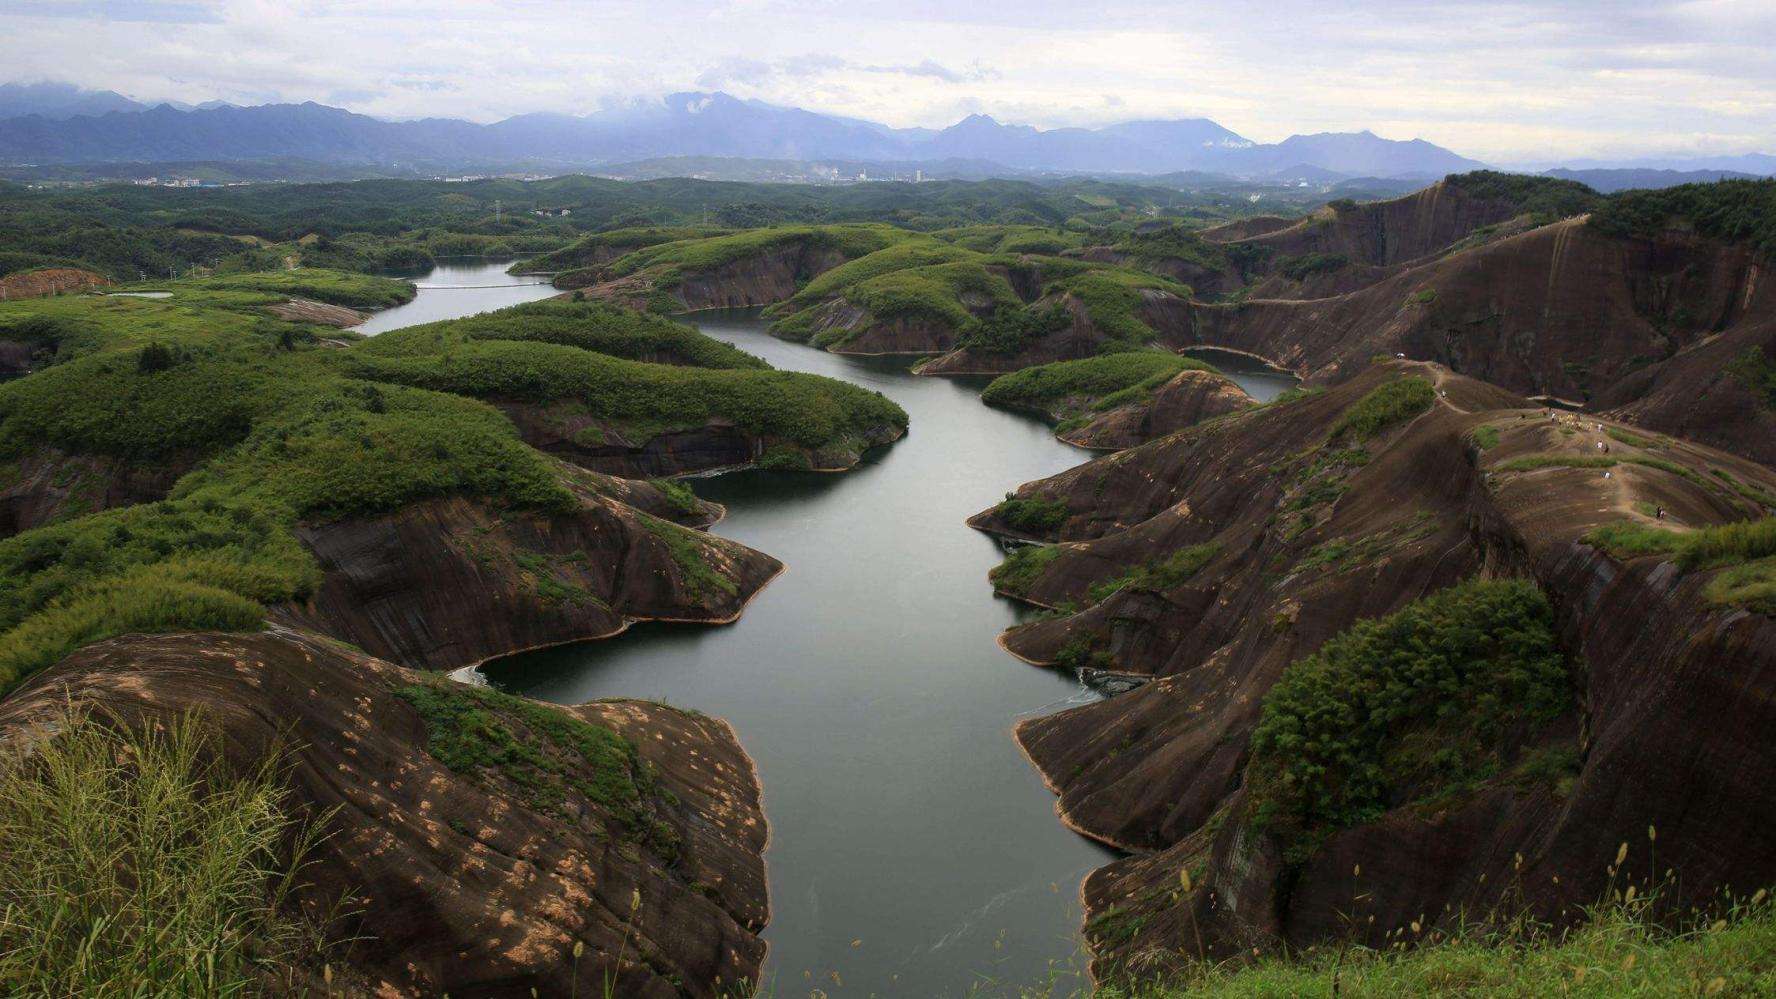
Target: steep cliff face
450, 582
1189, 398
844, 328
48, 485
1708, 392
763, 278
1162, 318
1561, 310
1214, 558
1381, 233
567, 432
459, 878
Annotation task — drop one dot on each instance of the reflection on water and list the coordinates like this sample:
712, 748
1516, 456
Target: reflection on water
866, 683
1261, 381
460, 288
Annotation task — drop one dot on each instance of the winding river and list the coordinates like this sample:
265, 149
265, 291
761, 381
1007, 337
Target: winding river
456, 288
913, 850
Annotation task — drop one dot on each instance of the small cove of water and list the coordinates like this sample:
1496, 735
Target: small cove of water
457, 288
1260, 380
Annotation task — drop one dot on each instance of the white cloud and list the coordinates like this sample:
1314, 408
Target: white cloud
1501, 81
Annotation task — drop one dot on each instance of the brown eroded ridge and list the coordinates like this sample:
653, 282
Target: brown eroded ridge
1299, 531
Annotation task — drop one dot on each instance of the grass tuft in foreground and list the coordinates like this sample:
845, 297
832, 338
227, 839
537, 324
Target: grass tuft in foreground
1619, 952
136, 864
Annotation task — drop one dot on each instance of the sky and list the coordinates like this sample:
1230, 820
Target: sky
1503, 82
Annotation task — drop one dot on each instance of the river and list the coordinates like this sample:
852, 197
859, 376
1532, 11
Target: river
913, 850
460, 287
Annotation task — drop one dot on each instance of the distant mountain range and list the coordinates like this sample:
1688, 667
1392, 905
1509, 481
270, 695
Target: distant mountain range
51, 127
57, 124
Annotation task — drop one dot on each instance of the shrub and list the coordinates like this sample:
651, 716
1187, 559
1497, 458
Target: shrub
1736, 211
1628, 539
1757, 373
1021, 568
1533, 461
1032, 515
1402, 707
1159, 574
1623, 948
1485, 438
1308, 264
1382, 407
1631, 439
360, 291
809, 410
595, 326
1542, 196
1102, 382
1009, 329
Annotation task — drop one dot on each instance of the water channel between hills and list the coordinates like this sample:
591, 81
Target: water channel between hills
459, 287
913, 850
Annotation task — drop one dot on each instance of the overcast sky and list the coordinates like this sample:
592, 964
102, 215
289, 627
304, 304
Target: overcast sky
1504, 82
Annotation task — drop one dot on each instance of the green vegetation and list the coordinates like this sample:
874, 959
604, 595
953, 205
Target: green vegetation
1163, 244
808, 410
682, 498
276, 433
689, 550
1112, 298
1094, 383
1630, 439
1620, 950
1423, 296
1405, 707
358, 291
1159, 574
1485, 438
1715, 545
1546, 198
910, 252
1021, 568
1031, 515
1343, 554
669, 262
1735, 211
1009, 329
917, 278
932, 294
1627, 539
1529, 462
594, 326
1308, 264
543, 751
1758, 373
1385, 406
139, 864
603, 247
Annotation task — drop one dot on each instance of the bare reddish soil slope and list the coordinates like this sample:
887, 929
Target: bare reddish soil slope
1189, 398
48, 281
1278, 538
464, 881
1643, 327
449, 582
